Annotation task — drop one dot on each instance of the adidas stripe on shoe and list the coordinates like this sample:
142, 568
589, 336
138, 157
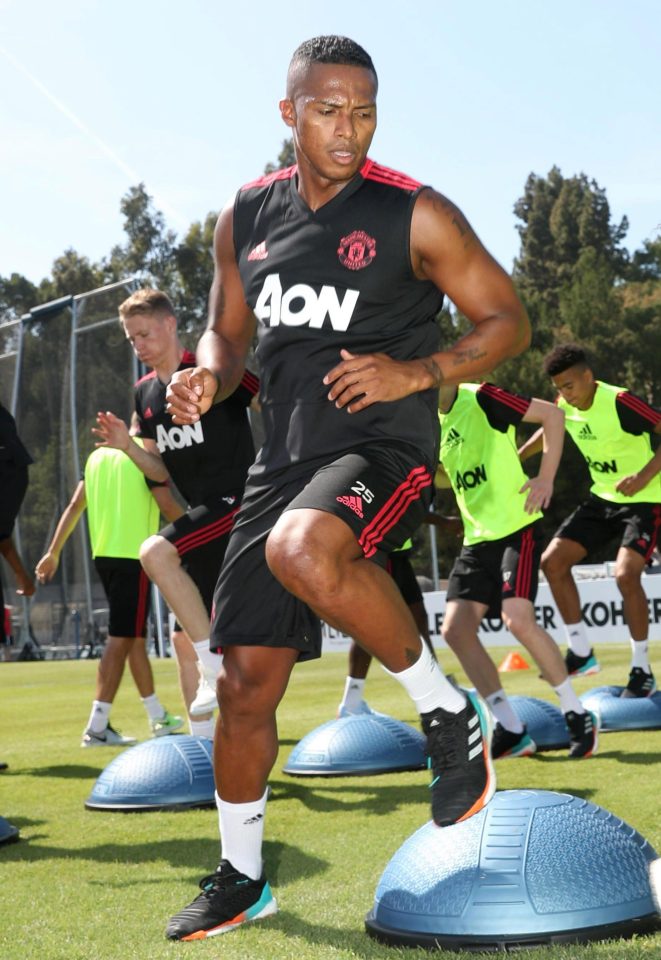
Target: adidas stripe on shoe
459, 752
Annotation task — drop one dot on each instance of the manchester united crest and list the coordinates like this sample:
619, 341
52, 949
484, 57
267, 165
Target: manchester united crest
357, 250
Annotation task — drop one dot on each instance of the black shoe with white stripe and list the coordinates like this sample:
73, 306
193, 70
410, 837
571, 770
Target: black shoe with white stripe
459, 751
583, 734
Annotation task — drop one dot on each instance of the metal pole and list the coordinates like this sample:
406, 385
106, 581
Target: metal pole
84, 539
434, 556
24, 626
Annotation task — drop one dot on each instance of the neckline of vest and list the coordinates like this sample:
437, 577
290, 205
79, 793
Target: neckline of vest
329, 207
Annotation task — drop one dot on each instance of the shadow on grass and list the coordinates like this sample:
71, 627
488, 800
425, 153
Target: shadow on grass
284, 863
326, 795
625, 756
68, 771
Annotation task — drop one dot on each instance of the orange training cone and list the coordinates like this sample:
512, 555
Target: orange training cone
513, 661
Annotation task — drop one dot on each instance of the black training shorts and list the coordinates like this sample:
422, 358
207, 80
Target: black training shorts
201, 536
400, 569
128, 591
596, 521
13, 485
497, 570
382, 493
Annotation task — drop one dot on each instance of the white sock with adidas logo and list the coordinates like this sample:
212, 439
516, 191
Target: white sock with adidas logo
428, 686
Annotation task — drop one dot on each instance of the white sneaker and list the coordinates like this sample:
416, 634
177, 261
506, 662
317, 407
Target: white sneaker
205, 699
360, 708
106, 738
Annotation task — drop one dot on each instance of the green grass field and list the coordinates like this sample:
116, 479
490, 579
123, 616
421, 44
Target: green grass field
85, 885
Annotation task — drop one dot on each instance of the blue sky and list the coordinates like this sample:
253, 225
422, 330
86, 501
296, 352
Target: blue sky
98, 96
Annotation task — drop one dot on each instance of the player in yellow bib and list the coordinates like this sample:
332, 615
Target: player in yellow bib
122, 512
611, 427
497, 569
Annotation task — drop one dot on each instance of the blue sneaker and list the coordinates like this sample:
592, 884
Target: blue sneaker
581, 666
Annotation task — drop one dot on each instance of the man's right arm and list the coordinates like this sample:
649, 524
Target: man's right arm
223, 347
47, 566
114, 433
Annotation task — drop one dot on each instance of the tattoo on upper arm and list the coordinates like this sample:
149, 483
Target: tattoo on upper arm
433, 370
456, 217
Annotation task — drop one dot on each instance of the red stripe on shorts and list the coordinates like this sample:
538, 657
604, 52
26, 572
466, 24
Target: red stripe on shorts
393, 510
206, 534
524, 567
141, 610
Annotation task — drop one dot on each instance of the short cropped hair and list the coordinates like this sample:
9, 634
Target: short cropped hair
564, 356
331, 49
146, 302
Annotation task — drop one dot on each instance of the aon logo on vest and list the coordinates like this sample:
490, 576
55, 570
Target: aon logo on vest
176, 438
301, 305
471, 478
602, 466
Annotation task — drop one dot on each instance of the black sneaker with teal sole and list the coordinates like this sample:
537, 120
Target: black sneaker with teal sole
583, 734
228, 900
506, 743
459, 752
641, 684
581, 666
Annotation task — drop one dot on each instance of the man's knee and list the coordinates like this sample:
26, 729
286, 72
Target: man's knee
157, 550
627, 579
553, 563
302, 560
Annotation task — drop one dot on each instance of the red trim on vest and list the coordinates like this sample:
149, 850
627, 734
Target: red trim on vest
147, 376
250, 381
269, 178
392, 178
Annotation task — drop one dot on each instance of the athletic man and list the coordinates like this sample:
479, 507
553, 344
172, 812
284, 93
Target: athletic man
121, 513
399, 567
208, 463
498, 566
333, 259
611, 428
14, 463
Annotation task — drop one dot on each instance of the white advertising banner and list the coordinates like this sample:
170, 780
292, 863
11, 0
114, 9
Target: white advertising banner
601, 608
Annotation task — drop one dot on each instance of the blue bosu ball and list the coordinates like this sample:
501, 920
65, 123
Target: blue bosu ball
544, 721
635, 713
533, 867
367, 743
8, 832
165, 773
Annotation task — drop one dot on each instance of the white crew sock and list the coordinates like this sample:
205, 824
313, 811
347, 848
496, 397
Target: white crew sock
154, 707
503, 712
202, 728
241, 832
568, 699
353, 694
577, 639
428, 686
210, 661
99, 716
640, 654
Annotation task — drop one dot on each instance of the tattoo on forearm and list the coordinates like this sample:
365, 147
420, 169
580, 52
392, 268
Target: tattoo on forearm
433, 370
468, 355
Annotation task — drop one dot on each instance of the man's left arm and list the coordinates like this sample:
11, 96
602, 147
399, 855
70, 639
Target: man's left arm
446, 251
637, 416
